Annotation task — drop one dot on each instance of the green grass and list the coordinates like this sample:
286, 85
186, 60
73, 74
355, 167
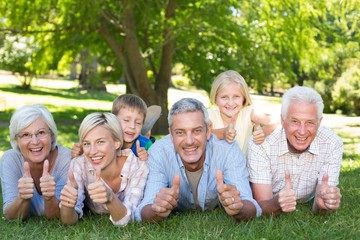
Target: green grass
214, 224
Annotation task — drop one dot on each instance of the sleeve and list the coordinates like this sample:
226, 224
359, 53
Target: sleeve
258, 164
134, 190
12, 170
332, 163
235, 173
148, 145
156, 180
62, 171
77, 167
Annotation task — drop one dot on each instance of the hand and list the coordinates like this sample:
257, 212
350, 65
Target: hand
26, 184
47, 182
69, 193
287, 197
141, 152
229, 196
98, 192
230, 132
258, 134
76, 150
327, 197
167, 199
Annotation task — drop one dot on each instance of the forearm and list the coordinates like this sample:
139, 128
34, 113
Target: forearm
148, 215
52, 209
19, 208
248, 211
219, 133
68, 215
271, 207
116, 208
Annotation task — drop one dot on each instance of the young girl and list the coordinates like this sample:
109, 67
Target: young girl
106, 178
233, 116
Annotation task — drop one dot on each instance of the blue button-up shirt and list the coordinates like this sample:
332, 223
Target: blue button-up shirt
164, 163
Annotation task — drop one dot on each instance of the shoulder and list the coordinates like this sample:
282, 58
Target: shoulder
222, 147
325, 134
11, 157
143, 140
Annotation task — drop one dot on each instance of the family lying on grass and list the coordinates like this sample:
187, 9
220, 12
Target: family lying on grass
229, 155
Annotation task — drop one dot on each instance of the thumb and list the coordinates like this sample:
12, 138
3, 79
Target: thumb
71, 179
219, 178
137, 145
232, 123
257, 127
27, 170
288, 183
98, 173
176, 182
325, 180
45, 168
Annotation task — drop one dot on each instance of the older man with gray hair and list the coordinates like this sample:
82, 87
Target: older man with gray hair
299, 161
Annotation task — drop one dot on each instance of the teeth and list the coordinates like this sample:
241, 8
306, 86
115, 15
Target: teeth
96, 158
301, 139
190, 149
35, 149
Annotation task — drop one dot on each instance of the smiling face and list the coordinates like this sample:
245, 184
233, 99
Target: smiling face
301, 125
229, 99
131, 121
189, 136
100, 147
35, 141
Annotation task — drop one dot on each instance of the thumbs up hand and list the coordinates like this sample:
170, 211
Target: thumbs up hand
258, 134
327, 197
98, 191
141, 152
287, 197
26, 184
229, 196
76, 150
47, 182
69, 193
230, 132
167, 199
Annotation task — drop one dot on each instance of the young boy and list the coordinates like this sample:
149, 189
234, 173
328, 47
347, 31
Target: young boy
131, 111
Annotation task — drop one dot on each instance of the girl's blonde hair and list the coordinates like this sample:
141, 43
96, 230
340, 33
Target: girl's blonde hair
226, 78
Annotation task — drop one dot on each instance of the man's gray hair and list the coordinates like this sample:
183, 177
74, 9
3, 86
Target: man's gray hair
302, 94
186, 105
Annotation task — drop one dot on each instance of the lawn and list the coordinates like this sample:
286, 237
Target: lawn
69, 106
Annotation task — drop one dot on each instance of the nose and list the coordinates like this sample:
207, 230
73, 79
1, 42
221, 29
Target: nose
189, 139
34, 138
93, 149
132, 124
302, 128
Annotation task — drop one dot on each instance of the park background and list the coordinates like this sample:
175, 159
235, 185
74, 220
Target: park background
77, 56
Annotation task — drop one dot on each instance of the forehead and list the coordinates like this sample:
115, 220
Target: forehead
97, 132
131, 111
188, 120
229, 88
302, 110
36, 125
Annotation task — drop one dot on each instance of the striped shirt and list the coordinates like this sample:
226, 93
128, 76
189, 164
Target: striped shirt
165, 163
268, 161
133, 178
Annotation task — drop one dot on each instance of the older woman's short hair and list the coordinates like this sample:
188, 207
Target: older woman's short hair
107, 120
186, 105
302, 94
230, 76
25, 116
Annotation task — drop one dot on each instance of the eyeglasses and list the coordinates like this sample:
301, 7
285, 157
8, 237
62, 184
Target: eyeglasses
28, 136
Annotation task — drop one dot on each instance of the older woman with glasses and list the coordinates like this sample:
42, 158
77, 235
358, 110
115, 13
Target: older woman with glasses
34, 171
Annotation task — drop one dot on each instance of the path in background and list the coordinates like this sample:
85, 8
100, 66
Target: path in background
262, 103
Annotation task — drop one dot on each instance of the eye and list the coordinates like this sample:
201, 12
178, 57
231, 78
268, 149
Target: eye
85, 144
42, 133
179, 133
99, 142
25, 135
138, 123
197, 131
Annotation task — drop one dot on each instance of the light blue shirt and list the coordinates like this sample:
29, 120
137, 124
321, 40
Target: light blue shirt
164, 163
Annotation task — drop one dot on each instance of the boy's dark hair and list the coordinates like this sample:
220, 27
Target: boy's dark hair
130, 101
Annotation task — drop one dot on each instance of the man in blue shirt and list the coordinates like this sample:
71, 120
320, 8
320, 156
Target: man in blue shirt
191, 169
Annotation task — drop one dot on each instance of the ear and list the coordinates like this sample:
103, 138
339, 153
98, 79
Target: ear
209, 128
118, 144
170, 133
282, 121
